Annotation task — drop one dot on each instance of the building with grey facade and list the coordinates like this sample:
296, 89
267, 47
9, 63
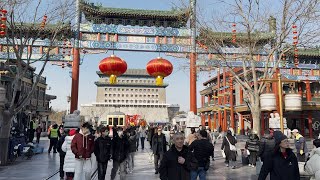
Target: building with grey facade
134, 93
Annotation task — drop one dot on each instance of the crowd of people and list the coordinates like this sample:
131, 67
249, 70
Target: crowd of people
85, 152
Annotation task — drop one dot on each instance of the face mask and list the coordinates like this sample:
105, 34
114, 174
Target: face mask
120, 133
159, 133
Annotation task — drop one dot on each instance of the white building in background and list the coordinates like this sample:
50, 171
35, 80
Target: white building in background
134, 93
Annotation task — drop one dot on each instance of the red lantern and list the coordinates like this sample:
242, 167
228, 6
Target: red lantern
159, 68
3, 18
3, 26
113, 66
2, 33
4, 11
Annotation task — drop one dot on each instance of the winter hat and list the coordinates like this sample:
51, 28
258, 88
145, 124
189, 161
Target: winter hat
279, 136
72, 132
103, 129
295, 131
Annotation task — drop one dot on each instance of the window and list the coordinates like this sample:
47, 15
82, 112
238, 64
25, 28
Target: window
131, 95
156, 90
127, 95
144, 101
148, 95
140, 90
140, 95
115, 121
157, 101
114, 95
110, 121
140, 101
121, 122
136, 95
144, 90
144, 95
148, 101
118, 89
148, 90
127, 101
109, 95
136, 101
122, 95
114, 101
152, 96
118, 95
152, 90
127, 89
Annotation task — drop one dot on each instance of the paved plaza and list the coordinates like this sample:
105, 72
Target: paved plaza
45, 167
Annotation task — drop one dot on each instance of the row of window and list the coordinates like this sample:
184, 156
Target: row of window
133, 95
131, 101
135, 81
132, 90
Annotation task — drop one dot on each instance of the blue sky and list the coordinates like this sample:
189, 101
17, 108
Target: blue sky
177, 91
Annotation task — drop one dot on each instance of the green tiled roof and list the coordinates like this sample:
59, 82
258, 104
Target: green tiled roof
312, 52
207, 36
95, 13
90, 8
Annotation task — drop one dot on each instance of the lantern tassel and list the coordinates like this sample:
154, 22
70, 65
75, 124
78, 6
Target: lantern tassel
159, 81
113, 79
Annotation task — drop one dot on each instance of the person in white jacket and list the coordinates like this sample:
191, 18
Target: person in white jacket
69, 162
313, 164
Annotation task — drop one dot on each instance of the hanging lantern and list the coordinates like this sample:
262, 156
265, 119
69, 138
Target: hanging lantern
159, 68
113, 66
295, 43
234, 33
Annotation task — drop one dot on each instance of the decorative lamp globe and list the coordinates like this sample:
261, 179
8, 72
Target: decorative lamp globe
113, 66
159, 68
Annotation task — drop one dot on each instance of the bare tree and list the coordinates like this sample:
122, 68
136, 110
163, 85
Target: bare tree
28, 23
258, 31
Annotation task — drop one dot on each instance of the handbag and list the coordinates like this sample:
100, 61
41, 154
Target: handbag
223, 154
248, 152
232, 147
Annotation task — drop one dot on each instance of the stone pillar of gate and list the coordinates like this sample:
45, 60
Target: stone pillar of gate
75, 80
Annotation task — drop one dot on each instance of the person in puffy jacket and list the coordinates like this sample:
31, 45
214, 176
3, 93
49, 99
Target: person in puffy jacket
313, 164
82, 146
266, 146
103, 150
69, 160
301, 146
253, 146
62, 154
132, 149
120, 154
282, 164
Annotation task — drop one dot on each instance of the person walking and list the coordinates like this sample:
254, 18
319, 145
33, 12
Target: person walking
252, 145
301, 145
120, 154
150, 135
266, 146
191, 137
228, 145
178, 161
62, 154
102, 151
69, 160
38, 133
282, 164
159, 147
202, 150
312, 166
137, 132
53, 136
142, 131
82, 146
132, 149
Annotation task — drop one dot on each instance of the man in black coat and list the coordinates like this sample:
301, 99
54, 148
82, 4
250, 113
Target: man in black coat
62, 154
202, 150
120, 154
103, 151
178, 161
282, 164
159, 147
266, 146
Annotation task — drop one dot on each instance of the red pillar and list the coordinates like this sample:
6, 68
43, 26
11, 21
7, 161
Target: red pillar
209, 99
224, 101
242, 125
193, 83
275, 90
262, 123
219, 98
209, 121
308, 91
203, 119
232, 123
202, 101
75, 80
214, 120
241, 95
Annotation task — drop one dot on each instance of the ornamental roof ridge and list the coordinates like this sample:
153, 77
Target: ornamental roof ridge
128, 11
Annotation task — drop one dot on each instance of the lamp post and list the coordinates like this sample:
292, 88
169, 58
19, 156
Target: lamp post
279, 81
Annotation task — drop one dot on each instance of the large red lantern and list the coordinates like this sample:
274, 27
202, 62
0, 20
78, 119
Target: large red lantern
159, 68
113, 66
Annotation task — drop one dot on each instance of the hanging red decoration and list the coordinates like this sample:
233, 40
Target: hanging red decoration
3, 22
44, 20
113, 66
3, 11
159, 68
234, 33
295, 43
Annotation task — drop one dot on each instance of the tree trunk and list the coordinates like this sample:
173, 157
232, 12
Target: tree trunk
256, 113
5, 120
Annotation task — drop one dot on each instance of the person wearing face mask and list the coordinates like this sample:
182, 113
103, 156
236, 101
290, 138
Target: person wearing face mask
82, 146
159, 147
103, 150
120, 153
